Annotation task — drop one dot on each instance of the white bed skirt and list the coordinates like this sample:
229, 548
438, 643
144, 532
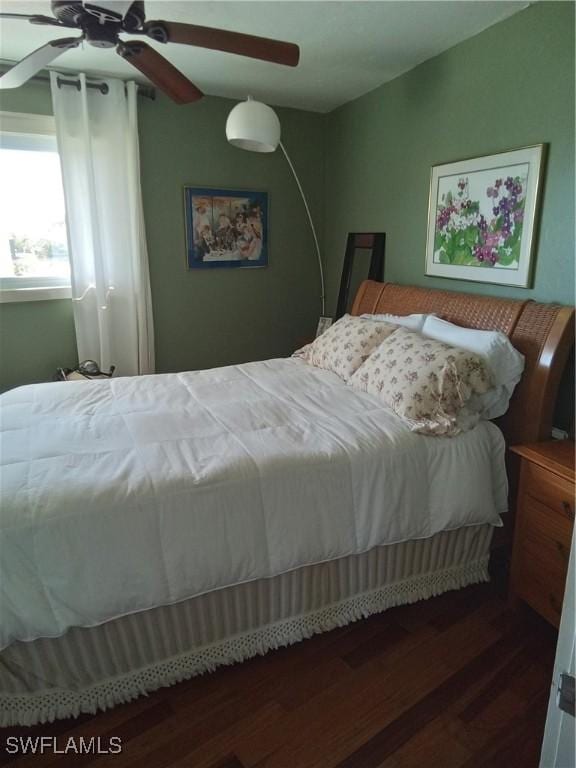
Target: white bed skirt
88, 669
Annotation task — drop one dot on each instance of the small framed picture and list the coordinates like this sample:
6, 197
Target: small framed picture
225, 228
323, 324
482, 217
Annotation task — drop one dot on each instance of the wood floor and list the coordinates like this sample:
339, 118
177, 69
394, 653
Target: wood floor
455, 682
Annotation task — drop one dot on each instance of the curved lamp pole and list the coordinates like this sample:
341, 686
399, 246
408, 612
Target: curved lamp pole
254, 126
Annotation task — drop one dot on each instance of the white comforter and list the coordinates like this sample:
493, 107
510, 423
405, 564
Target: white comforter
122, 495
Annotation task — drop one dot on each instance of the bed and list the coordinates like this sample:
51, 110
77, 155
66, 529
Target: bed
161, 526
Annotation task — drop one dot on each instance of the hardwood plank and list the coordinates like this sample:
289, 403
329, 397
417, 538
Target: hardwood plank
464, 603
296, 692
166, 743
250, 728
337, 723
518, 742
389, 739
496, 718
455, 603
376, 645
516, 667
433, 745
330, 720
228, 762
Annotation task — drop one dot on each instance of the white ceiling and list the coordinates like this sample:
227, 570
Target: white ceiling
347, 48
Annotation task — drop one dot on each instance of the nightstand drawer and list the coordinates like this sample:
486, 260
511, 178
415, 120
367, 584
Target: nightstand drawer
550, 489
544, 523
543, 594
544, 538
543, 550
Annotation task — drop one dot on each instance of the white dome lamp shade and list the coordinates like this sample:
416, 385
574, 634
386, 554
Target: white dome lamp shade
255, 126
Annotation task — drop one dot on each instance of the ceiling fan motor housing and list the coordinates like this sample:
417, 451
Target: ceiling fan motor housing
103, 15
100, 35
84, 14
67, 11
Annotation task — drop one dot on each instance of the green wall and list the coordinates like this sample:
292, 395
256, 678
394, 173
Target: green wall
208, 318
508, 87
36, 337
215, 317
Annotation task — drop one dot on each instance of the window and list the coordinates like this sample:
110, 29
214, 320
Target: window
34, 261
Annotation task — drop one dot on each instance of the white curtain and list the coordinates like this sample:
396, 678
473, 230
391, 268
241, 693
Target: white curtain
98, 144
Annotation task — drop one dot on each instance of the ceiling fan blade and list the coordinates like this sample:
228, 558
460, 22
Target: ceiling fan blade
160, 71
223, 40
32, 64
35, 19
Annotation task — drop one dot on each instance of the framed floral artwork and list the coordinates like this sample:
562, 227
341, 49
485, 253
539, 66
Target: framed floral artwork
482, 217
225, 228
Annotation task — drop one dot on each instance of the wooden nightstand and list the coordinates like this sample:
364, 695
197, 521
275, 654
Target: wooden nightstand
544, 522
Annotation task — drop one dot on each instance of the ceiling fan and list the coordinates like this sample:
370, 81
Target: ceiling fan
102, 22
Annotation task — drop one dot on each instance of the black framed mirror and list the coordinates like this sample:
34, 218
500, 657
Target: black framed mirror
363, 260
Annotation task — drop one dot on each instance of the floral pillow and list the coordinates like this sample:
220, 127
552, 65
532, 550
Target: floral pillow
426, 382
345, 345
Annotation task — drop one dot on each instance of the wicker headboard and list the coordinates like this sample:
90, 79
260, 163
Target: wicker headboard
543, 333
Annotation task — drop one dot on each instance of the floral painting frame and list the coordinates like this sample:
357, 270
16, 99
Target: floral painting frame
225, 228
482, 217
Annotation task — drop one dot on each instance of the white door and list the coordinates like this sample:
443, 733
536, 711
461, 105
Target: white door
558, 749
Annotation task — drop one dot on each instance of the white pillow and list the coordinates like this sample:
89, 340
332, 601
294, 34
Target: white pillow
412, 322
504, 361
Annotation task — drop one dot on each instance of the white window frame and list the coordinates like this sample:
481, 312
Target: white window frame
31, 288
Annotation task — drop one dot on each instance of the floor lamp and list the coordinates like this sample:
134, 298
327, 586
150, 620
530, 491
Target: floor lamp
255, 126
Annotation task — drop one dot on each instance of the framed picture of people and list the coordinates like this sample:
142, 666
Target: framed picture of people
225, 228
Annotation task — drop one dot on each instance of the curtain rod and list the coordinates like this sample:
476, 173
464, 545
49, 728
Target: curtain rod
143, 90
